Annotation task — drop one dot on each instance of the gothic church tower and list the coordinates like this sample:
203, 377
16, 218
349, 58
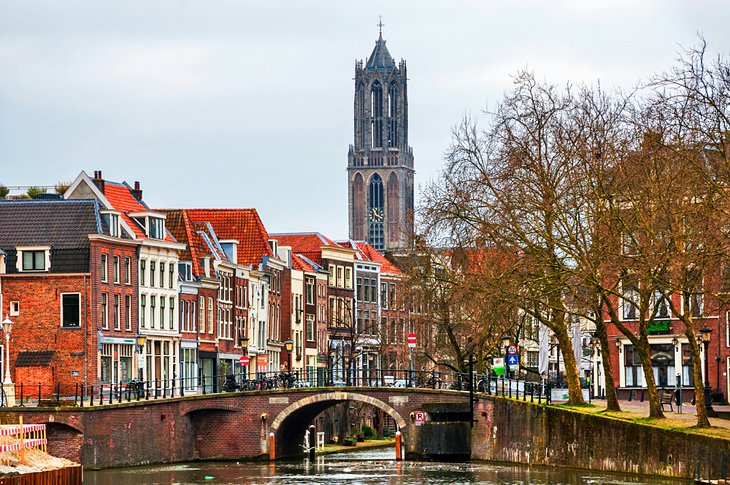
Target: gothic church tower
380, 162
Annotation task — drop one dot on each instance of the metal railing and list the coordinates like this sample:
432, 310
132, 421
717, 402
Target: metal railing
40, 394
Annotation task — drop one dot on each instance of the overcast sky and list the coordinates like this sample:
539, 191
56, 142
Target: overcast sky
249, 103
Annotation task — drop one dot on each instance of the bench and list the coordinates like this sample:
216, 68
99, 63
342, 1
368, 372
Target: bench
665, 398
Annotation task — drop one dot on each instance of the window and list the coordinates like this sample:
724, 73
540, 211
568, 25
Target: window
170, 278
211, 319
630, 301
310, 291
127, 270
104, 310
687, 374
661, 305
162, 312
14, 308
152, 273
162, 274
331, 276
155, 228
117, 309
128, 312
533, 358
70, 310
310, 328
112, 222
384, 295
359, 290
348, 278
142, 267
142, 310
376, 111
104, 268
185, 270
172, 313
340, 279
202, 314
376, 210
116, 269
34, 260
695, 294
153, 304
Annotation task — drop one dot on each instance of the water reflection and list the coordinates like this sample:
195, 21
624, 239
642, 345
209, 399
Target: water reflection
366, 467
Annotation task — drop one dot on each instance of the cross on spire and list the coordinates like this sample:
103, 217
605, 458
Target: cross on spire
380, 24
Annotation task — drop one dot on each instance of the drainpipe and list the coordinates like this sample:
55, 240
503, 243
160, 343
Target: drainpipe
86, 341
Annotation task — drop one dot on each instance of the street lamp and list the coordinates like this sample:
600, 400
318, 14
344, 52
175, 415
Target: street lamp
141, 339
705, 333
289, 346
505, 344
243, 342
8, 387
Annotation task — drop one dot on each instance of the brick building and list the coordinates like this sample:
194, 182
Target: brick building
68, 283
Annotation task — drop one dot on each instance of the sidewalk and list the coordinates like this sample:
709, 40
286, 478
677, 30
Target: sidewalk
686, 418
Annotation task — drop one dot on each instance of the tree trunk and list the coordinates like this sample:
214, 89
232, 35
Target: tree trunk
655, 408
612, 403
702, 420
575, 396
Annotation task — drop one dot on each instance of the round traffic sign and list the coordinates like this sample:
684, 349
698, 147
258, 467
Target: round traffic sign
411, 338
512, 349
244, 360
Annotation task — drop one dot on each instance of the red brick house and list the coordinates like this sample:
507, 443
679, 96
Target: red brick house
68, 284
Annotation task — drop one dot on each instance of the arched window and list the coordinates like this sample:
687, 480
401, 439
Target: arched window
376, 212
376, 114
392, 115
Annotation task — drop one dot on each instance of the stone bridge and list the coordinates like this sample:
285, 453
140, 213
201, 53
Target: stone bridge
232, 425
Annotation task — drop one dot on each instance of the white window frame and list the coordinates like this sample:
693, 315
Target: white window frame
61, 310
20, 250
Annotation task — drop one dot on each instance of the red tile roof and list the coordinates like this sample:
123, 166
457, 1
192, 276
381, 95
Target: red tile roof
308, 244
369, 253
121, 199
243, 225
301, 264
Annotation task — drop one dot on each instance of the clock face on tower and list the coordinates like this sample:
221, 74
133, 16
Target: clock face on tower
376, 214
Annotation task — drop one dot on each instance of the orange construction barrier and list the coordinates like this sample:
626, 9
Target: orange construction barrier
398, 451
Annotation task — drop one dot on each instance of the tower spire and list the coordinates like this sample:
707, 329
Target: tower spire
380, 26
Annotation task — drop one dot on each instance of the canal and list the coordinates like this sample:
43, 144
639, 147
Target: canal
366, 467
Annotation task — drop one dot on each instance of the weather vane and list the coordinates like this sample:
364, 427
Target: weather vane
380, 24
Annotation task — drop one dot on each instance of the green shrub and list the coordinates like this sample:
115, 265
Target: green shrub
34, 192
368, 432
4, 191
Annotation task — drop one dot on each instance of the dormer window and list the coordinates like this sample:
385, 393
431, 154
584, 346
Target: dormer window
185, 271
34, 259
152, 222
111, 219
155, 228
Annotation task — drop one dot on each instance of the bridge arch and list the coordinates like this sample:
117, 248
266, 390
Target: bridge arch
291, 423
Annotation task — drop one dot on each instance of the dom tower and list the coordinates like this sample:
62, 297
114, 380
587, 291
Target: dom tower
380, 162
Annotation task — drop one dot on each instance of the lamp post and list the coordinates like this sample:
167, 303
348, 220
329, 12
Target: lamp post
505, 344
141, 339
705, 333
557, 356
289, 346
243, 342
8, 387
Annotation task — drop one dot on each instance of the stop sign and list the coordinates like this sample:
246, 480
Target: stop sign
411, 338
244, 360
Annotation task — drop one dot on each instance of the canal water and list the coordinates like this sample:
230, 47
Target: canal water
366, 467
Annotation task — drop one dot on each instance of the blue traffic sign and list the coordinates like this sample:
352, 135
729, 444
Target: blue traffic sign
513, 360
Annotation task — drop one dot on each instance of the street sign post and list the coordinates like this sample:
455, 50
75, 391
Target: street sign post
513, 360
512, 349
244, 360
411, 340
498, 366
419, 417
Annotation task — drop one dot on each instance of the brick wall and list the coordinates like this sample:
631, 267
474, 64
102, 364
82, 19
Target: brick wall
38, 326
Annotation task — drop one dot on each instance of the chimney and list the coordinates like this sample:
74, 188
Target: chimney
98, 180
137, 192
